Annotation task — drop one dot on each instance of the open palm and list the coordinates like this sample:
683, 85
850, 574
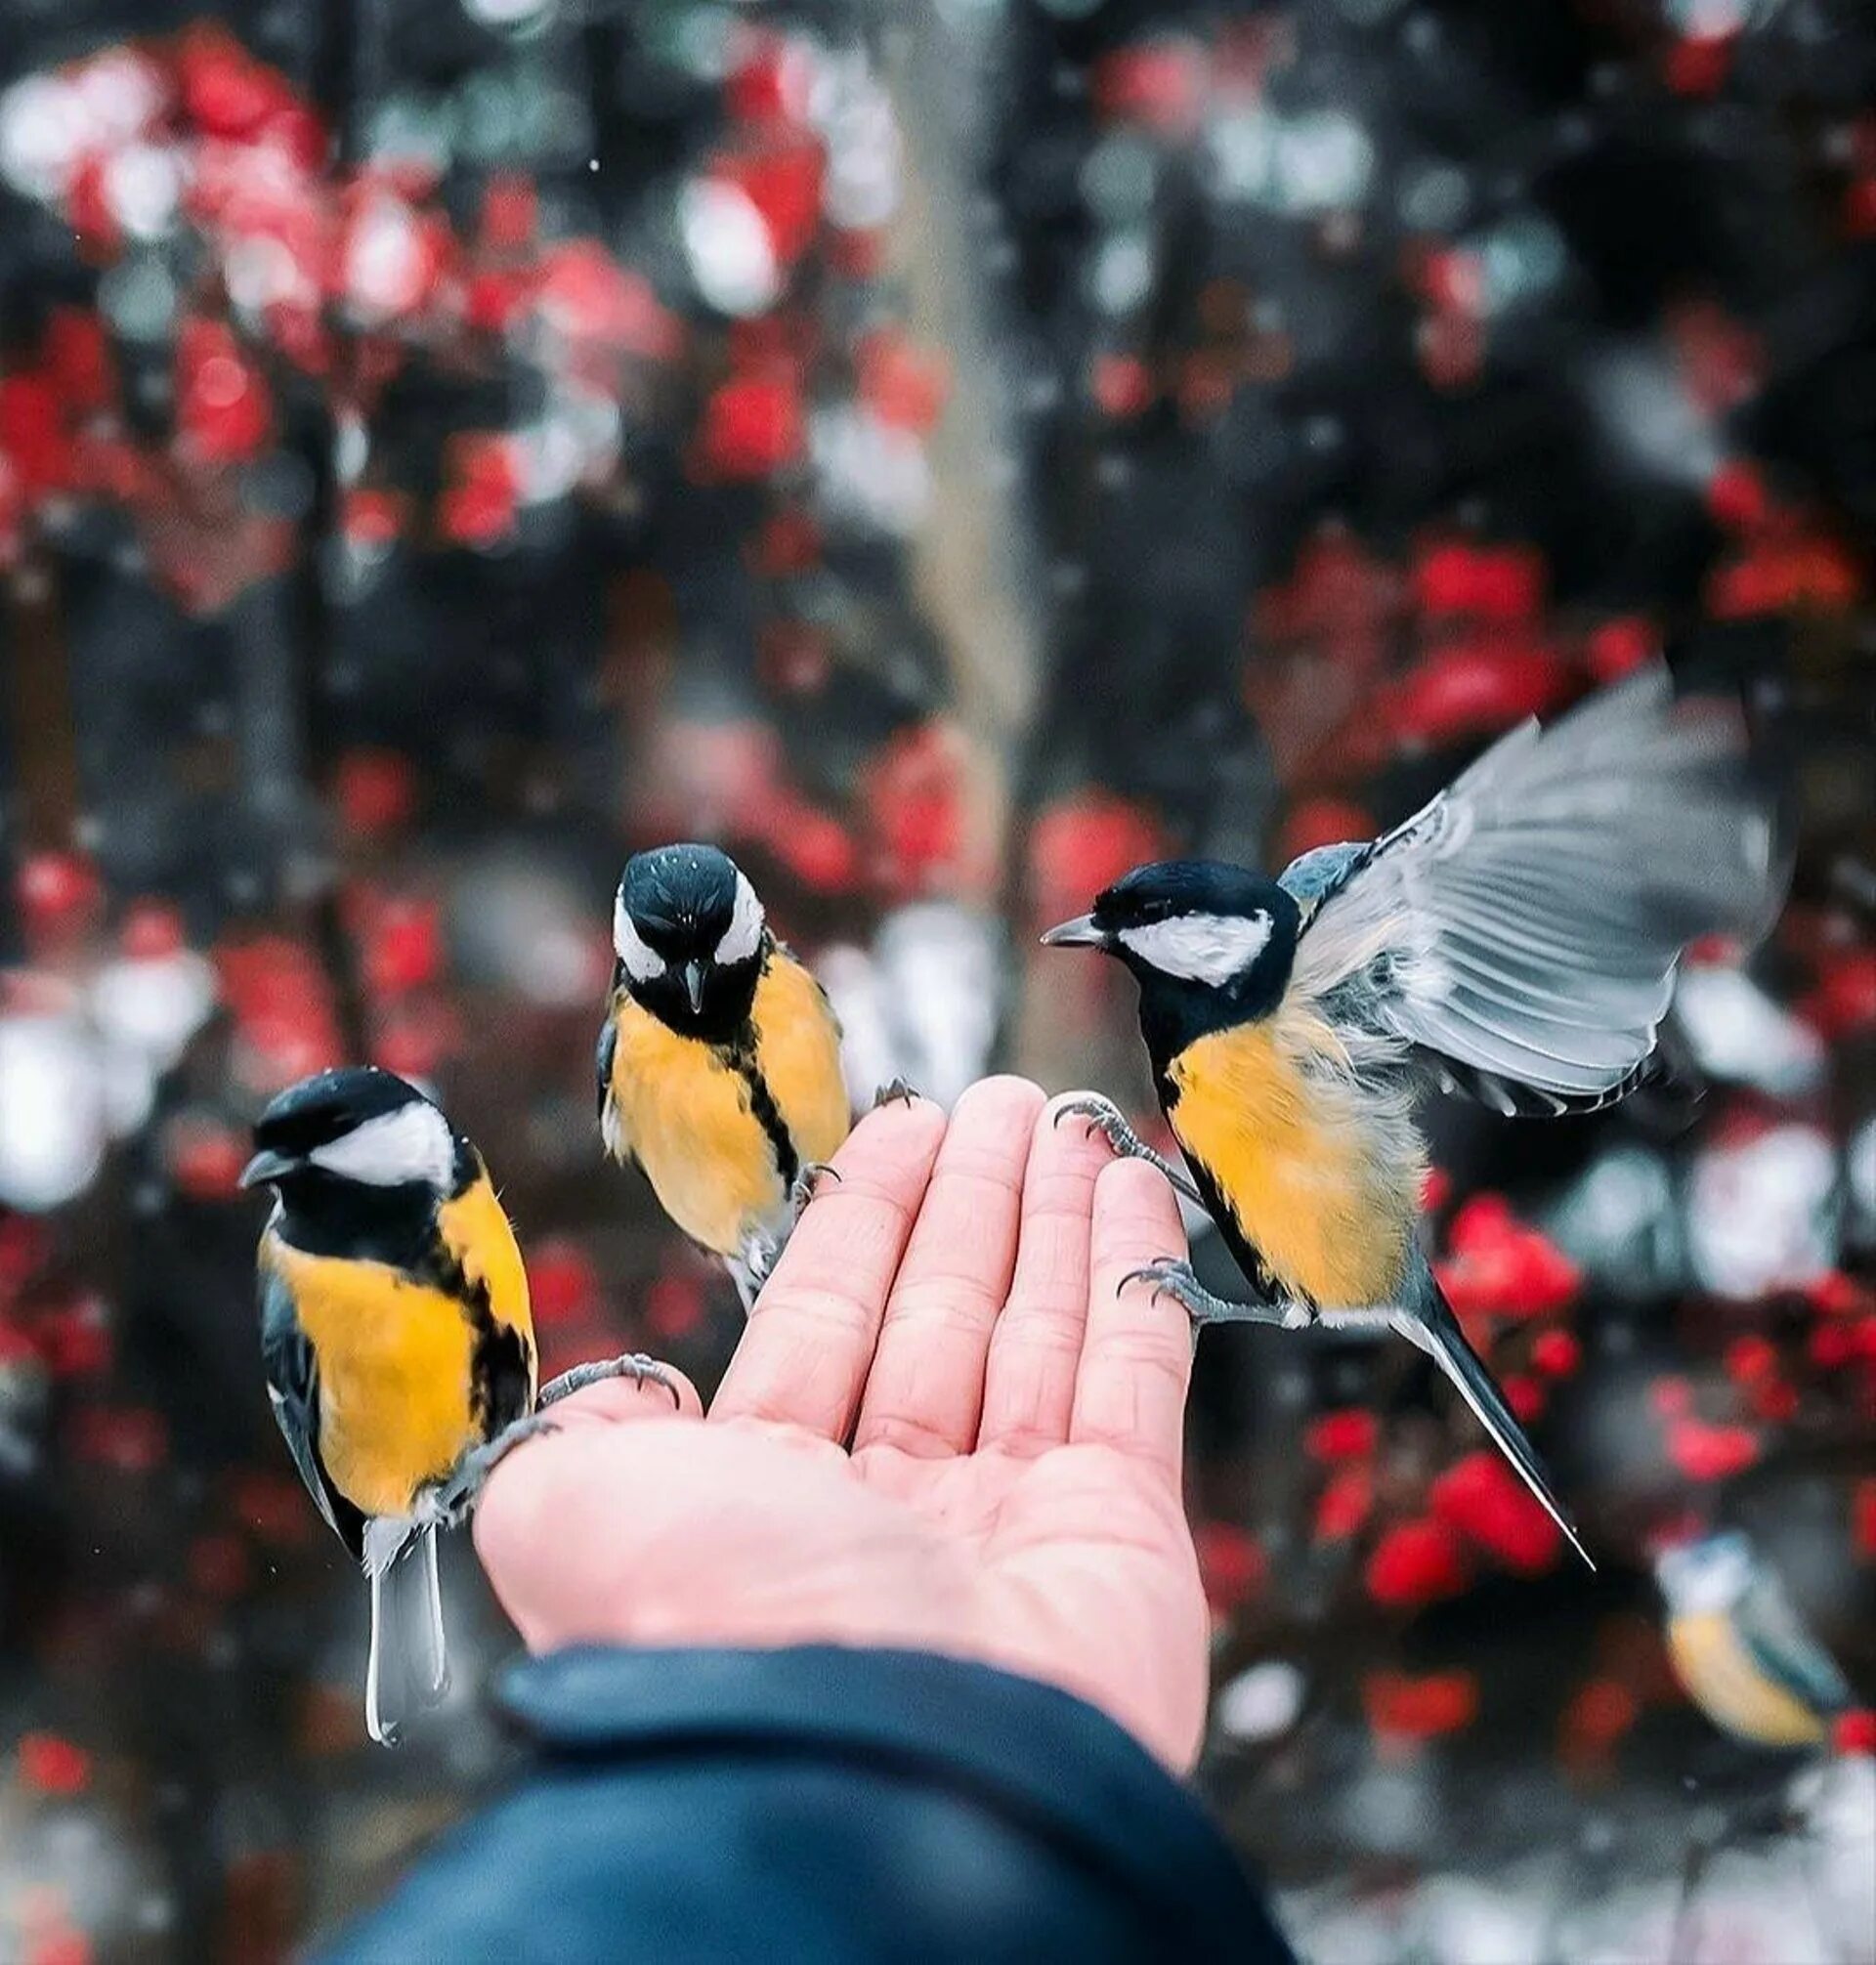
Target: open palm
951, 1307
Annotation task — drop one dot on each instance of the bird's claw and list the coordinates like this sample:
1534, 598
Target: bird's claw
634, 1365
806, 1185
1177, 1280
1106, 1118
896, 1088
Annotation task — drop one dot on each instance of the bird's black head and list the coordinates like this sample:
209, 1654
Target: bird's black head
690, 936
1210, 944
360, 1132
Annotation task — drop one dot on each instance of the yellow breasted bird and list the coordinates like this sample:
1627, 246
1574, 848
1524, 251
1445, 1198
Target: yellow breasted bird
720, 1059
1741, 1651
1517, 939
396, 1342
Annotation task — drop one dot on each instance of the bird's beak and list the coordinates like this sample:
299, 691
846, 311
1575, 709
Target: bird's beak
266, 1166
1079, 933
694, 985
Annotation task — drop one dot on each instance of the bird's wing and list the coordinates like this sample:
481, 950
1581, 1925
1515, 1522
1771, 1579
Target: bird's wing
612, 1123
293, 1391
1524, 927
1785, 1651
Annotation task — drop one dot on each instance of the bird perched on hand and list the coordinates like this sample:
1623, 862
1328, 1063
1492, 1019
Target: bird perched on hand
1741, 1651
396, 1341
720, 1059
1517, 939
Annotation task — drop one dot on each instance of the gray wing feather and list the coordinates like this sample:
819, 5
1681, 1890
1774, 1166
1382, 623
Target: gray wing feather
1313, 876
293, 1390
1785, 1651
1527, 922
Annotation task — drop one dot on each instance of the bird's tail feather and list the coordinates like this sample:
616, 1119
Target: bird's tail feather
407, 1667
1446, 1344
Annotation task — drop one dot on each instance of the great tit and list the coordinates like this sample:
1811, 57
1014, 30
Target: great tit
1517, 939
1740, 1650
720, 1059
396, 1342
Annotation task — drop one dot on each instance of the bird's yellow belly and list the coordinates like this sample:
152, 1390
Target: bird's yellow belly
1290, 1157
693, 1127
689, 1116
1730, 1688
395, 1403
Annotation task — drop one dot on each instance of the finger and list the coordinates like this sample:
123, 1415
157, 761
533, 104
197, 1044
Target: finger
1029, 1383
526, 1514
809, 1342
1136, 1357
927, 1387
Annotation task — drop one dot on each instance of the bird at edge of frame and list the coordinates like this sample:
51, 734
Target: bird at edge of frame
1515, 940
397, 1346
720, 1059
1740, 1650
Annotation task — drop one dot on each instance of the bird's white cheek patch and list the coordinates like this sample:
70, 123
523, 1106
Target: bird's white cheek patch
413, 1144
744, 935
643, 962
1213, 949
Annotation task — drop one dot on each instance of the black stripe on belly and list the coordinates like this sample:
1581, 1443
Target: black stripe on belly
499, 1373
741, 1056
1266, 1284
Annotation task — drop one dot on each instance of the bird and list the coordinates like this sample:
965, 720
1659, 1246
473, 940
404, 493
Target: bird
1516, 939
396, 1344
719, 1058
1740, 1650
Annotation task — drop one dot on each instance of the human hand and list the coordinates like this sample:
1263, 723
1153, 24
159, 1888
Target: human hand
951, 1306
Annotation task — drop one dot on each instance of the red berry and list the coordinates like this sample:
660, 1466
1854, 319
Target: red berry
50, 1763
1414, 1562
1342, 1436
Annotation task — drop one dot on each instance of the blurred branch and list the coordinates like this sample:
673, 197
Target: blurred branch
45, 738
974, 561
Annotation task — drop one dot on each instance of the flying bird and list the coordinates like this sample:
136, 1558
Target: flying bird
1515, 940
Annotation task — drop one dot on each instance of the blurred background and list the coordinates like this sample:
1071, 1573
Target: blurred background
946, 453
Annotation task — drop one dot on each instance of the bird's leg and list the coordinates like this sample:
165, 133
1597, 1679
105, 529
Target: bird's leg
1106, 1118
1174, 1279
897, 1089
635, 1365
754, 1262
453, 1500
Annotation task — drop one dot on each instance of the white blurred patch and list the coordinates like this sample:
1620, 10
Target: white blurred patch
155, 1006
1648, 418
1762, 1215
1262, 1702
922, 1004
515, 923
868, 474
43, 133
1740, 1034
1860, 1176
141, 187
853, 112
728, 247
51, 1116
144, 1012
1836, 1800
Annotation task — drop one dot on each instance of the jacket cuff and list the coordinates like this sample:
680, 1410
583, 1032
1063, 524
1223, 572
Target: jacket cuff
1036, 1754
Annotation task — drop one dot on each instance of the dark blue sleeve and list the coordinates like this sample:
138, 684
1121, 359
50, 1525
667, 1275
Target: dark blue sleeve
821, 1805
